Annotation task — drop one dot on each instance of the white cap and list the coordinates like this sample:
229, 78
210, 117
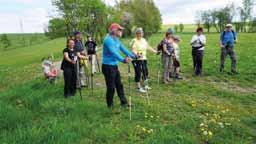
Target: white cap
139, 30
229, 25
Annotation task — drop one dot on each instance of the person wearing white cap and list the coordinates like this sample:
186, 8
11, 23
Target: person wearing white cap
228, 38
139, 47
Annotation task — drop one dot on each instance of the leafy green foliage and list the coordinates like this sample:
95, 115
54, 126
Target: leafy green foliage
87, 16
139, 13
5, 41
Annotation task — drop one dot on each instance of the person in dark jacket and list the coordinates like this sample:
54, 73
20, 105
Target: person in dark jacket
91, 47
69, 69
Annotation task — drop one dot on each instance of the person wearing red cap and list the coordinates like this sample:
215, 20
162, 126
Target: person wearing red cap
110, 58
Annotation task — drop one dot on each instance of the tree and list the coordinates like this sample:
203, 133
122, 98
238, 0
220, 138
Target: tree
198, 18
56, 28
253, 26
176, 27
5, 41
206, 17
218, 18
87, 16
141, 13
245, 13
181, 26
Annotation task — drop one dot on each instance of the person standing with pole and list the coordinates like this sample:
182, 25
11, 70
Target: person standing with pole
68, 66
81, 53
198, 43
110, 59
167, 54
139, 47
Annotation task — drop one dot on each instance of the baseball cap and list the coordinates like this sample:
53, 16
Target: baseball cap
115, 26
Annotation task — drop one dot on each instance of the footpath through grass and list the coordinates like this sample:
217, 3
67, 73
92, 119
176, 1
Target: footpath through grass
216, 108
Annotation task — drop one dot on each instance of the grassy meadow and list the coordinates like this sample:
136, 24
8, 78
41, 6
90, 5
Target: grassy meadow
217, 108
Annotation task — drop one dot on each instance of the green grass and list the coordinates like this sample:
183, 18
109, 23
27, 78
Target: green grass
24, 40
188, 28
32, 111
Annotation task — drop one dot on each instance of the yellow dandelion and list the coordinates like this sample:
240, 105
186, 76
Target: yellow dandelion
210, 133
228, 124
205, 133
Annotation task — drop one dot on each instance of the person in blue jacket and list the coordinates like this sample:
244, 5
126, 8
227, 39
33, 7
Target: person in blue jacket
228, 39
112, 49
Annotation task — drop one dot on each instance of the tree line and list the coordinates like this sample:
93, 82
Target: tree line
241, 17
92, 17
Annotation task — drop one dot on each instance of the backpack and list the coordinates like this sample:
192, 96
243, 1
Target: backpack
160, 46
224, 32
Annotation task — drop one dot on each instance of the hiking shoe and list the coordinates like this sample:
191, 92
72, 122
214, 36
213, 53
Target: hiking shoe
147, 87
234, 73
165, 82
126, 105
141, 90
178, 77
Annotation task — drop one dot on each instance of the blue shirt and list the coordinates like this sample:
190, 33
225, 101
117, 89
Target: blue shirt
111, 51
228, 38
79, 46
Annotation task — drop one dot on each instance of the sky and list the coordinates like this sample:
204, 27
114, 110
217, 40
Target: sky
31, 16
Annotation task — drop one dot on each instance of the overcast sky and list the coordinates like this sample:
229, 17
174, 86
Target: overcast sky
35, 14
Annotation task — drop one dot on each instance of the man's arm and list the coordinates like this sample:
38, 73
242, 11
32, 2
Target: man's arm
81, 56
126, 51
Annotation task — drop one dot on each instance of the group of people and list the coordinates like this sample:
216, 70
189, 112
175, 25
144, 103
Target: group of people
111, 56
75, 63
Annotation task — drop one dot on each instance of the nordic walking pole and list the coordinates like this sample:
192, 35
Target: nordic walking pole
97, 60
158, 74
143, 68
129, 90
78, 77
91, 75
174, 69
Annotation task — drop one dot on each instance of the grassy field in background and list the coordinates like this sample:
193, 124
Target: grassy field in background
217, 108
188, 28
24, 40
